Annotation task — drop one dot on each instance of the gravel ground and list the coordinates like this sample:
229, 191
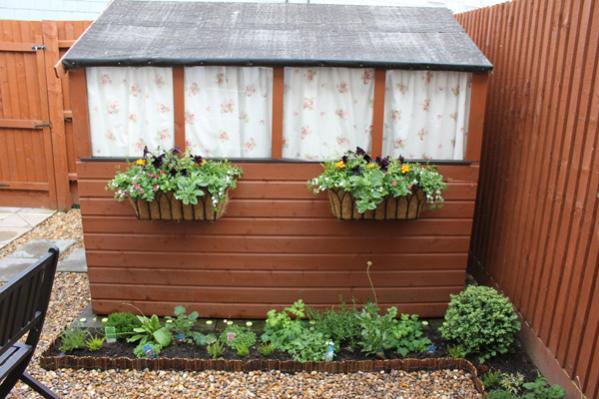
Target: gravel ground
71, 295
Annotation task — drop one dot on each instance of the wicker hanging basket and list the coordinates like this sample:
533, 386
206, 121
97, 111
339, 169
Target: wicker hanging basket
166, 207
344, 207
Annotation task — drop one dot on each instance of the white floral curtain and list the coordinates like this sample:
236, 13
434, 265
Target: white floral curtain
130, 108
426, 114
228, 111
327, 111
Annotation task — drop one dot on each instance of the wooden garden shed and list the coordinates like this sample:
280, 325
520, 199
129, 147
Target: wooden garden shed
275, 88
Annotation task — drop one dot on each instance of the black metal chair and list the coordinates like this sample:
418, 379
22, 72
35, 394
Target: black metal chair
23, 305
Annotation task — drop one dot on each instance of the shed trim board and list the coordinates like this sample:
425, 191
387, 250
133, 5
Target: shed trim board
277, 242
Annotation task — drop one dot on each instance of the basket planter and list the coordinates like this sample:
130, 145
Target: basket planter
167, 207
409, 207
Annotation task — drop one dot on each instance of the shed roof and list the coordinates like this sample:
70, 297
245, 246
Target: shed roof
160, 33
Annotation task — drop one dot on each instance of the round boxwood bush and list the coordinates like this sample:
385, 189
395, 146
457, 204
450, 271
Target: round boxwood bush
481, 321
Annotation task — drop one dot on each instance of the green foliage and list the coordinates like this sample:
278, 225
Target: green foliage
124, 323
286, 331
150, 331
370, 181
187, 177
140, 351
501, 394
541, 389
94, 343
456, 351
341, 325
511, 382
72, 338
482, 321
201, 340
242, 350
265, 350
181, 325
384, 332
491, 379
236, 337
215, 349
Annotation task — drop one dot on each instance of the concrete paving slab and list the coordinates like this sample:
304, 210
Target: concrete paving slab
13, 220
38, 248
40, 211
10, 267
75, 262
33, 219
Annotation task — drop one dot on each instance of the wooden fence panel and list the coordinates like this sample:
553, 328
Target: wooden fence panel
535, 232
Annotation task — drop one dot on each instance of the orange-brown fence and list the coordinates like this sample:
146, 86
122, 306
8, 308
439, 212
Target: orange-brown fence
536, 234
37, 157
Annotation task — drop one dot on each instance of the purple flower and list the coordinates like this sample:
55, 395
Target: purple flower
146, 151
157, 161
176, 150
198, 159
401, 159
230, 336
383, 162
360, 151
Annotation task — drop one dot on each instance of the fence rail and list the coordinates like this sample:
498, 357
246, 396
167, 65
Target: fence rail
535, 233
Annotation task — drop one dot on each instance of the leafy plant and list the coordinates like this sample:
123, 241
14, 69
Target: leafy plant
215, 349
482, 321
94, 343
383, 332
124, 323
370, 181
491, 379
541, 389
242, 350
186, 176
286, 331
456, 351
148, 349
265, 350
235, 337
151, 331
181, 325
341, 325
501, 394
72, 338
511, 382
200, 339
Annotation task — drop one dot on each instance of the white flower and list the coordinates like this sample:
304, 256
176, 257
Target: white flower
105, 320
169, 321
83, 319
209, 322
229, 323
248, 323
425, 323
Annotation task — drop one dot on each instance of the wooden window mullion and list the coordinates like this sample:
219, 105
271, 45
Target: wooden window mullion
378, 112
179, 106
278, 86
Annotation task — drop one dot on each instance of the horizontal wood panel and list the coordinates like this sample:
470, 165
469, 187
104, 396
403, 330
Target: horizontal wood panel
278, 244
281, 226
22, 124
286, 171
277, 278
267, 295
307, 261
260, 189
245, 310
315, 208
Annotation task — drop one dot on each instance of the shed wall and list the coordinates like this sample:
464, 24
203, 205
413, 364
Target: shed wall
536, 232
276, 243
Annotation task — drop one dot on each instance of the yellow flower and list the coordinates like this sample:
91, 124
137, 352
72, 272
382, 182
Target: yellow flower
405, 169
140, 162
203, 162
340, 165
371, 165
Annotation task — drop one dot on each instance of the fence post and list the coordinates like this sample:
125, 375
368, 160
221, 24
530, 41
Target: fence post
56, 112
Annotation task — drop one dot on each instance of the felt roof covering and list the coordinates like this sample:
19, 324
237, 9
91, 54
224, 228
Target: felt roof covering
162, 33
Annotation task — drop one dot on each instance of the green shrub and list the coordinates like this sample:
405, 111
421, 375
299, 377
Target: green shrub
482, 321
72, 338
151, 331
456, 351
384, 332
181, 325
501, 394
236, 337
124, 323
265, 350
491, 379
511, 382
341, 325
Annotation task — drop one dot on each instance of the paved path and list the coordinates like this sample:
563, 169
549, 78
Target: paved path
14, 222
27, 254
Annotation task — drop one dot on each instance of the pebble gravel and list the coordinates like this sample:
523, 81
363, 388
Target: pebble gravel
71, 296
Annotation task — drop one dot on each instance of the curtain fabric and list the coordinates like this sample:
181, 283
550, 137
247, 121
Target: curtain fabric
327, 111
130, 108
228, 111
426, 114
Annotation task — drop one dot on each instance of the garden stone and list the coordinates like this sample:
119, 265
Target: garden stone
11, 266
74, 262
37, 248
